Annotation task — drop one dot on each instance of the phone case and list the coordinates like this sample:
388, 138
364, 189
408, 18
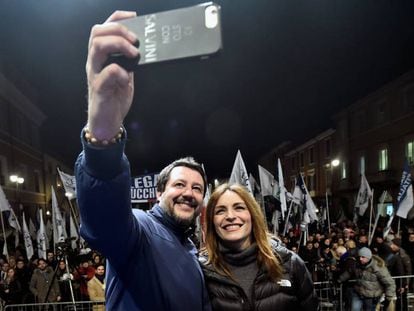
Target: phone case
186, 32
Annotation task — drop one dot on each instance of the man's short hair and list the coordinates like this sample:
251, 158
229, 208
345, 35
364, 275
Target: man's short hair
186, 162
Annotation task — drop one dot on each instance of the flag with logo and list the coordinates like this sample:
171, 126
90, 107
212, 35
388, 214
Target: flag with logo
4, 204
302, 197
405, 200
282, 195
239, 173
41, 237
58, 234
364, 195
268, 184
74, 234
69, 183
27, 239
14, 223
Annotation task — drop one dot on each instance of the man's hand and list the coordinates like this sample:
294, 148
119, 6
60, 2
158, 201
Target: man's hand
110, 89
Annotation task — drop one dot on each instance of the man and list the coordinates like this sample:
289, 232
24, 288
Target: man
96, 288
345, 271
403, 284
151, 264
372, 281
40, 282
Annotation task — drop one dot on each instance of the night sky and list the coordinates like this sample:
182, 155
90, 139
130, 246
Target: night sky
286, 68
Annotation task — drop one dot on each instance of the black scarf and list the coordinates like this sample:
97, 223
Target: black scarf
101, 278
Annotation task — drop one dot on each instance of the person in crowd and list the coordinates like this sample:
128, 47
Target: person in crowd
10, 289
403, 284
345, 270
82, 275
372, 281
51, 259
362, 241
40, 282
96, 287
151, 264
245, 268
310, 257
23, 274
4, 268
65, 278
97, 260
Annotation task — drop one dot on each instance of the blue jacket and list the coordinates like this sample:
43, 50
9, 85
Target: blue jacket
152, 265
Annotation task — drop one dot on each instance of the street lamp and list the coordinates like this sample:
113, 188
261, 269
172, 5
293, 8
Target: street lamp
16, 179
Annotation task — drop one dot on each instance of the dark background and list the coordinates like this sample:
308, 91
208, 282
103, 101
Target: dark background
286, 68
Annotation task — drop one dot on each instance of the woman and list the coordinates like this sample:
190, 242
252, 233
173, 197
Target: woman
64, 278
245, 268
10, 289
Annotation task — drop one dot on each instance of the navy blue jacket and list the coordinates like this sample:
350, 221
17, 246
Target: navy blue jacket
151, 263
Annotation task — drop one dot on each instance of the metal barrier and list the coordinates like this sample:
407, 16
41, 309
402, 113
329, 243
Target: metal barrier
331, 296
58, 306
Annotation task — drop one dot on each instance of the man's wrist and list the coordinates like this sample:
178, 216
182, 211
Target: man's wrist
90, 139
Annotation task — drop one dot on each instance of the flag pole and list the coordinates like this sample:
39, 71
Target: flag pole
287, 218
4, 233
398, 228
370, 215
327, 213
377, 218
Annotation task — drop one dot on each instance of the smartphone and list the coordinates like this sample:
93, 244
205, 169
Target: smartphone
187, 32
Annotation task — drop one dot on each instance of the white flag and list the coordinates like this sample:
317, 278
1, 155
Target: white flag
253, 183
5, 251
268, 183
41, 237
58, 235
4, 204
239, 173
49, 232
14, 223
69, 183
364, 195
32, 229
301, 196
282, 196
73, 232
27, 240
405, 200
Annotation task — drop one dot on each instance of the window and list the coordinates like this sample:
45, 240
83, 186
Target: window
2, 170
362, 165
37, 181
343, 171
310, 182
302, 160
383, 159
328, 148
311, 156
409, 152
381, 116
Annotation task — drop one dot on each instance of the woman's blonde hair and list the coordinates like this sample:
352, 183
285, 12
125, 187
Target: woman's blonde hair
260, 235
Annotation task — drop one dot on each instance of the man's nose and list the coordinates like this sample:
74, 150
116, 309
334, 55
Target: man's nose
188, 191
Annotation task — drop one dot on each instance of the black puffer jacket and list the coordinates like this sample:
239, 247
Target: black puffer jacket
293, 292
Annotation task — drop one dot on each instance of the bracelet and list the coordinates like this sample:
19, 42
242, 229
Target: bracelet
105, 142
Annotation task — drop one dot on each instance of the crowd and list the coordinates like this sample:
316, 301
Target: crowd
41, 280
366, 272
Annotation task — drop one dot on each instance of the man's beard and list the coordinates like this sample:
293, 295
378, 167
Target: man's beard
183, 222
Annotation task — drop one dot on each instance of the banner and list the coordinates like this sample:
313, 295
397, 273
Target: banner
144, 188
239, 173
69, 183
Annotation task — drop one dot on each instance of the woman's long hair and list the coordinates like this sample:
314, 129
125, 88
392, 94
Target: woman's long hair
265, 256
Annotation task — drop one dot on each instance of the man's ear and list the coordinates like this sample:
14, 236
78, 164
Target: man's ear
158, 195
